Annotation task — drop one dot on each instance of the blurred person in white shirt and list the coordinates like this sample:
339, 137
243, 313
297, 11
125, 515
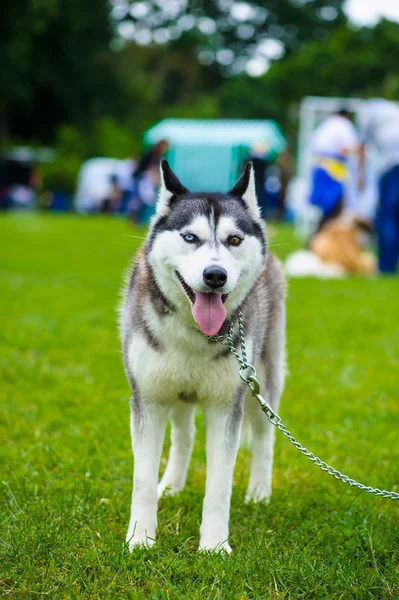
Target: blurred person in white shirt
333, 142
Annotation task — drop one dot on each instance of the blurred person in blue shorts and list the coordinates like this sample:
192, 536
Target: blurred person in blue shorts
147, 187
379, 127
333, 141
126, 184
146, 180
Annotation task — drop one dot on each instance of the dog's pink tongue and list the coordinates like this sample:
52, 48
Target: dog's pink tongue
209, 312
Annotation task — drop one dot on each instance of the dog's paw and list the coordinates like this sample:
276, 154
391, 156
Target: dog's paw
139, 542
222, 547
168, 489
258, 495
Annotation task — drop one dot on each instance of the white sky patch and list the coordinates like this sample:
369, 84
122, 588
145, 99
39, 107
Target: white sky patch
206, 26
143, 37
225, 4
161, 35
328, 13
260, 15
186, 22
245, 31
225, 56
369, 12
171, 7
257, 66
139, 10
120, 10
241, 11
126, 30
271, 49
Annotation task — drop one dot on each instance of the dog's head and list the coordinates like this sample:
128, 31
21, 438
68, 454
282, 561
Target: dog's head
206, 250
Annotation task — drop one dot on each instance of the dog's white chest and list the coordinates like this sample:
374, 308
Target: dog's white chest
167, 374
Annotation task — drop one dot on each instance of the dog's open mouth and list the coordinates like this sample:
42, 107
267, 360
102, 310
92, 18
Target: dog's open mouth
208, 308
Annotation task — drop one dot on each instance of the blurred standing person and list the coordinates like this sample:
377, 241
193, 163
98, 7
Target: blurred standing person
333, 141
112, 202
126, 183
146, 180
379, 127
20, 182
258, 158
147, 188
5, 184
285, 164
151, 158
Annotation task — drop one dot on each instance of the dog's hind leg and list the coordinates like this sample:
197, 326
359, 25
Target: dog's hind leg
148, 424
182, 439
260, 478
270, 371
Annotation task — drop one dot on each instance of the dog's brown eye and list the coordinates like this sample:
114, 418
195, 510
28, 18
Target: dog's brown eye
234, 240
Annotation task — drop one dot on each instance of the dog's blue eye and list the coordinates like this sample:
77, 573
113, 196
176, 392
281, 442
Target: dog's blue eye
190, 238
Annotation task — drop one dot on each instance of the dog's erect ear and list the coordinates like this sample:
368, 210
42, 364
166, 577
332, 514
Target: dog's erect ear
245, 189
169, 186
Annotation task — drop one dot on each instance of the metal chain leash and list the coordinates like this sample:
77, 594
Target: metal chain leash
253, 384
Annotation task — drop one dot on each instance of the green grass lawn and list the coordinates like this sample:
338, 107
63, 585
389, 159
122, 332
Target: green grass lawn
66, 458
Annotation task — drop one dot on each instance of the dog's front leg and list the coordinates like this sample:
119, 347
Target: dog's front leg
148, 424
223, 426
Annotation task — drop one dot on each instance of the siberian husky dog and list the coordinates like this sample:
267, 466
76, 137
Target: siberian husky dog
204, 261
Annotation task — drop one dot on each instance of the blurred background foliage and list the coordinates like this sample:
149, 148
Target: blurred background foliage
88, 78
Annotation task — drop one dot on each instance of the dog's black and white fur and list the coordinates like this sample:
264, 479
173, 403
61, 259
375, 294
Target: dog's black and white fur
205, 259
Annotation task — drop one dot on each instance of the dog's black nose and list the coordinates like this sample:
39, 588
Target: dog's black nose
215, 277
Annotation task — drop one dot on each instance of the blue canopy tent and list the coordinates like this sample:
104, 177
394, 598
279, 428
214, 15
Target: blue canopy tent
208, 154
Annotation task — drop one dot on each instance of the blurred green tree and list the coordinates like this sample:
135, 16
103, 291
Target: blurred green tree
352, 62
233, 31
109, 70
56, 65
